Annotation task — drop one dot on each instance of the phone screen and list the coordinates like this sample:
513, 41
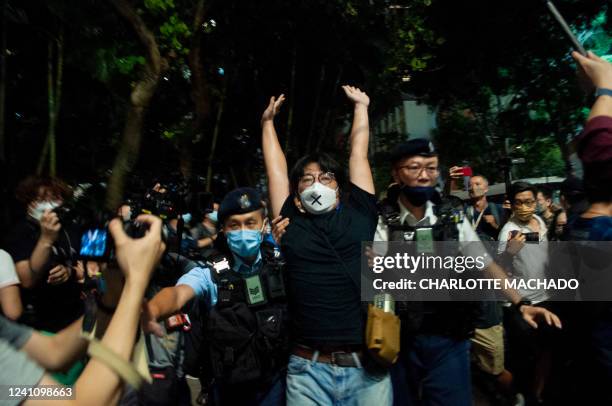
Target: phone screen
94, 243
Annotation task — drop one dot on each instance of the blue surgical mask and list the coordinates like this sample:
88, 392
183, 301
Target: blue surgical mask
244, 243
212, 216
186, 218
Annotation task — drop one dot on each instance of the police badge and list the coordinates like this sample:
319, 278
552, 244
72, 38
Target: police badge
244, 202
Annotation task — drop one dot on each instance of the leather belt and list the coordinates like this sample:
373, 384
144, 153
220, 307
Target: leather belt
339, 358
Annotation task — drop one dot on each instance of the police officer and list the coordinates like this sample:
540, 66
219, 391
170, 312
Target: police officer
435, 336
243, 298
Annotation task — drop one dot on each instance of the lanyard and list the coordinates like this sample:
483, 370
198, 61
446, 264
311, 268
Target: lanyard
475, 225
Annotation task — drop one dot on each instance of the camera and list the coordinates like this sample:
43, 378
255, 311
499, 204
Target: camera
532, 237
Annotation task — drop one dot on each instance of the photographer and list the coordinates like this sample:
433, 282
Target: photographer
166, 350
100, 383
43, 252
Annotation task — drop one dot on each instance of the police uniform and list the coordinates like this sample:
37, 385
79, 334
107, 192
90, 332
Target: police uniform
244, 327
435, 335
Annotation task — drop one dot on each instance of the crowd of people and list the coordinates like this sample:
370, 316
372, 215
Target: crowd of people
258, 297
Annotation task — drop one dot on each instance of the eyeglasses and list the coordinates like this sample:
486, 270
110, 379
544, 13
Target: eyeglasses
526, 203
415, 170
324, 178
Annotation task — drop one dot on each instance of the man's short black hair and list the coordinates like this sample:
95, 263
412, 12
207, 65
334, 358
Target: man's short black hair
520, 187
325, 161
546, 191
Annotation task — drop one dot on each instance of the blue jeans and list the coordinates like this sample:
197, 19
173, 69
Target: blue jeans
436, 371
316, 383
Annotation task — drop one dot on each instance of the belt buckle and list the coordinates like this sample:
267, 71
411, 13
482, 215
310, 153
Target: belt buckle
333, 356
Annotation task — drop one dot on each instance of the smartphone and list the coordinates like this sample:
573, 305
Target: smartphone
467, 171
532, 237
95, 244
566, 28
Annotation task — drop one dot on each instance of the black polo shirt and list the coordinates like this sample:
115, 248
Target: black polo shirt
325, 303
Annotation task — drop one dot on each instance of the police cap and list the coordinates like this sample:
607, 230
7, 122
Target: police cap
418, 146
239, 201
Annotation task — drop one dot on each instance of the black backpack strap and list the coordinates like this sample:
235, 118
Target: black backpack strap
495, 213
389, 212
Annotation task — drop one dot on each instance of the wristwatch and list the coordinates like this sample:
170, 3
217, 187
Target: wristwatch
602, 91
522, 302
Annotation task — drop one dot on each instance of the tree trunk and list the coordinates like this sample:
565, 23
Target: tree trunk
199, 85
291, 99
56, 102
55, 72
199, 92
327, 119
140, 98
2, 79
315, 109
215, 136
233, 176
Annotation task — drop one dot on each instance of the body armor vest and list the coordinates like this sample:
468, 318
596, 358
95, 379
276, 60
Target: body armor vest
246, 332
456, 319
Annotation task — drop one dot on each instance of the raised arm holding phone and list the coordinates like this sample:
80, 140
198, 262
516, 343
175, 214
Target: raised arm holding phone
99, 384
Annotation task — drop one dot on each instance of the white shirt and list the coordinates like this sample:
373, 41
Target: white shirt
8, 275
531, 261
467, 234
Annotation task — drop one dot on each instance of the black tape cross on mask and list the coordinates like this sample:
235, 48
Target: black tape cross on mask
315, 199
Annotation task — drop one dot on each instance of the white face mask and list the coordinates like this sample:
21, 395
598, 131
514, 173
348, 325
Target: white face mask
318, 198
126, 214
40, 208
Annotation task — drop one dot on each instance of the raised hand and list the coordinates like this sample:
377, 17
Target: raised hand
138, 257
273, 108
279, 226
356, 95
456, 172
596, 70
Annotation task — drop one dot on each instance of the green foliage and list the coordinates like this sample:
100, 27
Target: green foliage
127, 64
159, 6
543, 157
597, 37
493, 80
174, 34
